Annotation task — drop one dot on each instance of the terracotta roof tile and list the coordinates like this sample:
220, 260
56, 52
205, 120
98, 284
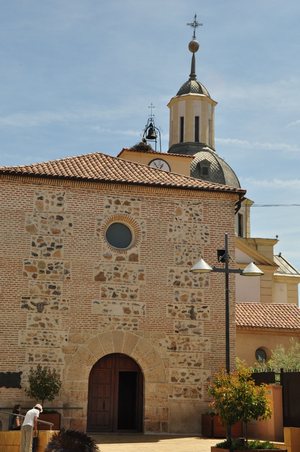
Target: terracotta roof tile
98, 167
258, 315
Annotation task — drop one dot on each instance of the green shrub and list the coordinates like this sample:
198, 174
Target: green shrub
71, 441
236, 398
236, 444
44, 384
284, 358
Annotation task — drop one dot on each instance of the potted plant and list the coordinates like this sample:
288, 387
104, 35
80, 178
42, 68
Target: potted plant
44, 384
212, 426
236, 398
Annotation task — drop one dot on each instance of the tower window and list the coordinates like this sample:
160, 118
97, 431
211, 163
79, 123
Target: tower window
181, 129
210, 140
197, 129
240, 225
204, 171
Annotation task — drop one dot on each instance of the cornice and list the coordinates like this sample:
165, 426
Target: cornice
259, 258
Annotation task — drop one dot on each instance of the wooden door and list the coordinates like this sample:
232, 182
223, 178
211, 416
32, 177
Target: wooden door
115, 395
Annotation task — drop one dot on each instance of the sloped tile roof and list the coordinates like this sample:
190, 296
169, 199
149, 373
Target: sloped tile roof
98, 167
258, 315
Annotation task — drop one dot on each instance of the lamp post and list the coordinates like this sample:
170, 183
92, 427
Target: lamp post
251, 270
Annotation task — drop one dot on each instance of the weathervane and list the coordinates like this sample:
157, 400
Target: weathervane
194, 24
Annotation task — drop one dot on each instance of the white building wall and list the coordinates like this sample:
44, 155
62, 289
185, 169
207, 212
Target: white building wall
247, 289
280, 294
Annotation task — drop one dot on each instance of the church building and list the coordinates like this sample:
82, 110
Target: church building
96, 281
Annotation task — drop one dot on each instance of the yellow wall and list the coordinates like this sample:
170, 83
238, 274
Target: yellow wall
189, 106
10, 440
248, 341
179, 164
285, 289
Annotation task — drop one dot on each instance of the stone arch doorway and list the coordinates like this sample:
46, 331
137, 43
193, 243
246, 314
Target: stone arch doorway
115, 395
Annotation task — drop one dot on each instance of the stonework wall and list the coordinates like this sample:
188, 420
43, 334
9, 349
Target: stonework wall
68, 298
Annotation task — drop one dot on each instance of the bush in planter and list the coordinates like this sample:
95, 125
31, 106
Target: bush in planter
44, 384
236, 398
71, 441
251, 445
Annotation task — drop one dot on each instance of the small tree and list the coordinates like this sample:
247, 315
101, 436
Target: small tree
44, 383
236, 398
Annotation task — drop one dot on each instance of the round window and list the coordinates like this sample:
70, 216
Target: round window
119, 235
261, 355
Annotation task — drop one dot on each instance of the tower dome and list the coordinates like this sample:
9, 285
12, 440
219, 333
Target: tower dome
193, 87
208, 165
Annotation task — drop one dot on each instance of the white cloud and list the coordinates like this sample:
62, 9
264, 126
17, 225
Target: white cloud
42, 118
274, 183
294, 123
104, 130
255, 145
261, 94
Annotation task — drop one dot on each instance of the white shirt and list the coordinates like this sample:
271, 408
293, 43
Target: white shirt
30, 415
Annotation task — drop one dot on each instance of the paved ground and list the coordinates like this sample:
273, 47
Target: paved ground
153, 443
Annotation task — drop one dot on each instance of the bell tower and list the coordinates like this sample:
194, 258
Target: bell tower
192, 126
191, 111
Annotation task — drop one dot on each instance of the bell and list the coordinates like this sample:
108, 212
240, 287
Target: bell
151, 133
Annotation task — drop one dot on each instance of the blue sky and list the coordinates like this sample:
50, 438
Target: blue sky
77, 76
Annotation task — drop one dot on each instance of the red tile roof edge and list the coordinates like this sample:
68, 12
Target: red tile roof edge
164, 179
271, 316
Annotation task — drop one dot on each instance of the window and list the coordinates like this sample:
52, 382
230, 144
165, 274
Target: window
181, 130
261, 355
197, 129
210, 137
204, 168
240, 225
119, 235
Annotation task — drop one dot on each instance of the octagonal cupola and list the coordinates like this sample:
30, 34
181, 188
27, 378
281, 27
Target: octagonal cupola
192, 109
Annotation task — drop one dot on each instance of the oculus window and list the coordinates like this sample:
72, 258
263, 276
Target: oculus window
261, 355
119, 235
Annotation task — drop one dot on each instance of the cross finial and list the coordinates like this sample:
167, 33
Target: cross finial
194, 24
151, 106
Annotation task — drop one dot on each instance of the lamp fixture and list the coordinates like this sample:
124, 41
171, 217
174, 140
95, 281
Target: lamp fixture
223, 257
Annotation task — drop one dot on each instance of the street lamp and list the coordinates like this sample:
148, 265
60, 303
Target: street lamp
223, 256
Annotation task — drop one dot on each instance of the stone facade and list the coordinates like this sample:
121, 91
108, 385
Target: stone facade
68, 298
